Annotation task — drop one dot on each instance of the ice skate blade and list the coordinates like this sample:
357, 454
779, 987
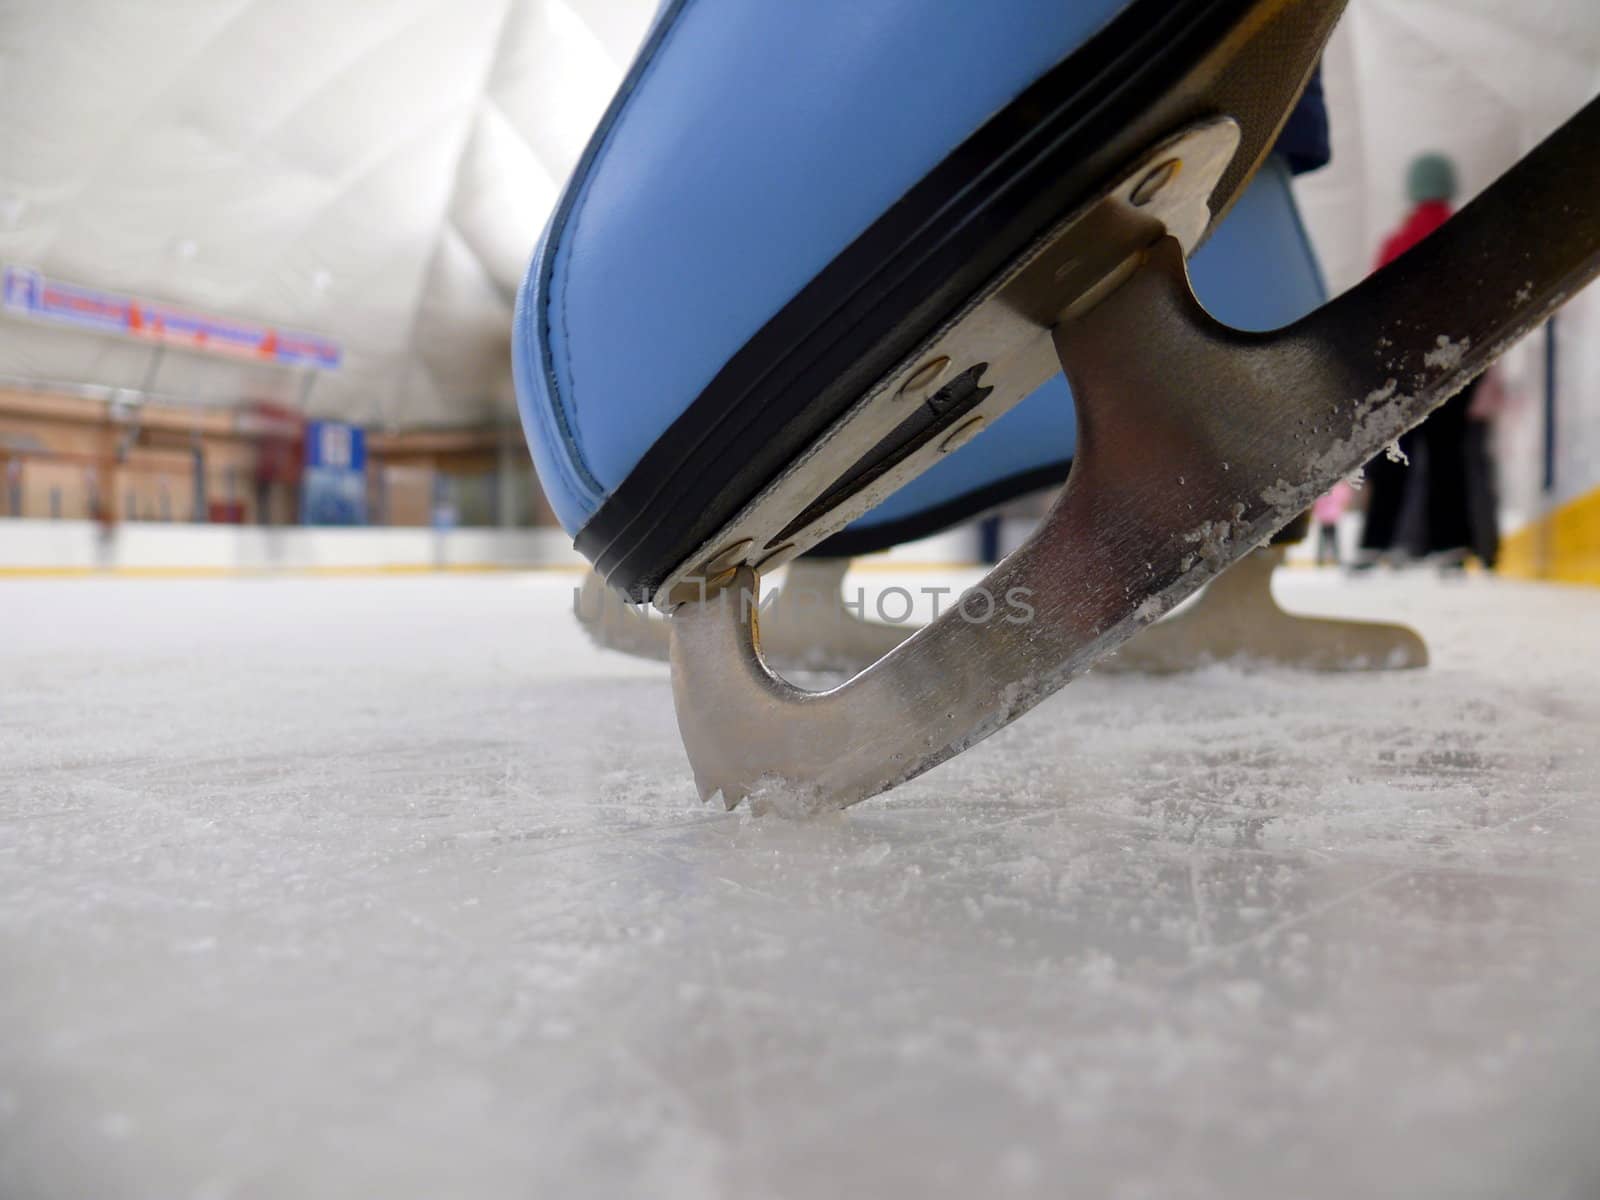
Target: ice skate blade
807, 627
1196, 443
1236, 620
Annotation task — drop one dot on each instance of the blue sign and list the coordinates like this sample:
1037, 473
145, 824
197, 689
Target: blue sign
333, 489
337, 445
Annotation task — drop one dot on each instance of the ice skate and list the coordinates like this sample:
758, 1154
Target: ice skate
769, 300
1257, 272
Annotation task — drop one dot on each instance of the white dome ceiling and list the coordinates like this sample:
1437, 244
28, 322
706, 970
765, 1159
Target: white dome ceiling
378, 171
1480, 80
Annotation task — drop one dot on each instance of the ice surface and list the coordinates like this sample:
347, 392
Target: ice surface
399, 888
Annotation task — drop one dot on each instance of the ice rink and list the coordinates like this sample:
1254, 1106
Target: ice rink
395, 887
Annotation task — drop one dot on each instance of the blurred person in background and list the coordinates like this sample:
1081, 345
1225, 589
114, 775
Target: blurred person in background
1325, 514
1490, 398
1431, 494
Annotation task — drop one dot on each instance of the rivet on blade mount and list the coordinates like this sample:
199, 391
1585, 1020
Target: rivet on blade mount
923, 380
1157, 179
778, 553
727, 558
962, 435
714, 574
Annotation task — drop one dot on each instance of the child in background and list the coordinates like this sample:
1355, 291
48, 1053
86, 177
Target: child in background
1325, 513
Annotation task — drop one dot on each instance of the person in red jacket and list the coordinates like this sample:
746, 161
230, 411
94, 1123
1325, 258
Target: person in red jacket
1418, 493
1431, 184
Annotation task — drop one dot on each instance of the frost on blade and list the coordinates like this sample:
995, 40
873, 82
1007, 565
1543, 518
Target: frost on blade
1446, 353
1396, 455
1335, 460
1151, 611
1216, 537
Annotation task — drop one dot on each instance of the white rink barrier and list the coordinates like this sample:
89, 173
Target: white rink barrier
28, 546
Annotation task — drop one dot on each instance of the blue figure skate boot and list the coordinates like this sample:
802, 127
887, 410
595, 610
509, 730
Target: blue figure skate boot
814, 250
1257, 272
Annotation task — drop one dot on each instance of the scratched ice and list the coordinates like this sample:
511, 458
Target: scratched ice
333, 888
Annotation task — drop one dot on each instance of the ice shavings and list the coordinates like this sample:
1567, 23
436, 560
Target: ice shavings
789, 800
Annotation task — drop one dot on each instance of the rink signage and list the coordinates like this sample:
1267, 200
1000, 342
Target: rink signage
29, 294
336, 446
333, 489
